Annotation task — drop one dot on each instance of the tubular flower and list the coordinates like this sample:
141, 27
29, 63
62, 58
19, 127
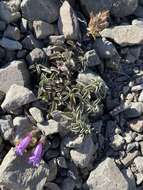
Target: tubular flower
35, 158
20, 148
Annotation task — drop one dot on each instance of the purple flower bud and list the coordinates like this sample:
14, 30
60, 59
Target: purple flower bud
20, 148
35, 158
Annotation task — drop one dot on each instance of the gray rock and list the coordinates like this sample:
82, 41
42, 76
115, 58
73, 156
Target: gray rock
140, 99
130, 178
117, 142
50, 128
16, 97
9, 10
17, 174
122, 8
2, 26
53, 169
133, 110
14, 73
139, 163
56, 40
104, 48
36, 114
129, 158
22, 126
6, 129
95, 6
36, 55
31, 10
102, 177
136, 125
139, 178
43, 29
24, 25
132, 146
141, 147
12, 32
29, 42
83, 155
91, 58
123, 35
68, 184
68, 23
137, 88
51, 186
10, 44
139, 12
138, 22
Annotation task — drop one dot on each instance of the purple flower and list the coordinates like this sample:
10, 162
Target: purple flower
35, 158
20, 148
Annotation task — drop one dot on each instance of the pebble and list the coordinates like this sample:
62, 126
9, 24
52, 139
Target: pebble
136, 125
117, 142
129, 158
56, 40
138, 22
137, 88
133, 110
36, 114
16, 97
37, 55
139, 163
68, 184
132, 146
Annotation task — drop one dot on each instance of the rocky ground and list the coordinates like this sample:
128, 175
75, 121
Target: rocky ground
50, 64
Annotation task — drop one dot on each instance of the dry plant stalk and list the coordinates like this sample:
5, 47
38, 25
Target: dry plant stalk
98, 23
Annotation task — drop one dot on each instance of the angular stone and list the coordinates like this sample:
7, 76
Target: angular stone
16, 97
124, 35
43, 29
136, 125
9, 10
36, 114
95, 6
56, 40
10, 44
29, 42
22, 126
91, 58
83, 155
31, 10
122, 8
117, 142
37, 55
6, 129
12, 32
141, 97
129, 158
17, 174
102, 177
68, 23
139, 163
133, 110
49, 129
13, 73
104, 48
